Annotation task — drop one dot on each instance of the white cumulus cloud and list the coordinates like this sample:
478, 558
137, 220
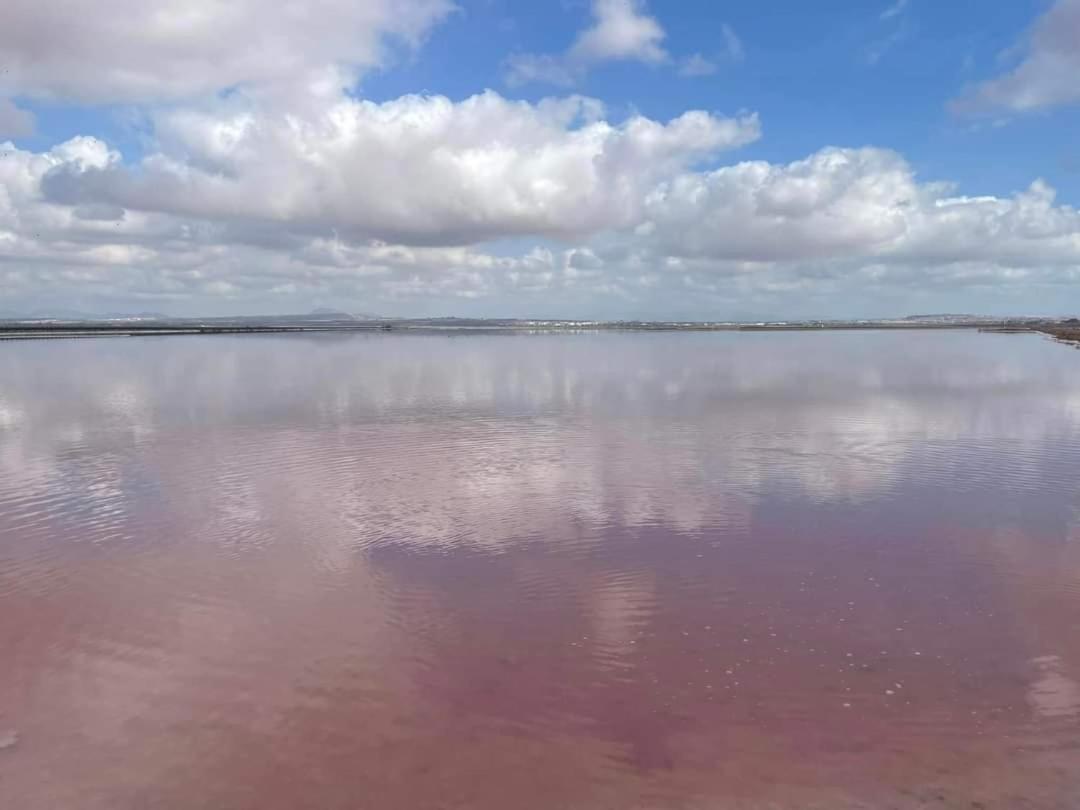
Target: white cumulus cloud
862, 204
641, 233
150, 50
416, 170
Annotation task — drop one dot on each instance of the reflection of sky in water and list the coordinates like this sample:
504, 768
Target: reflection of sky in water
491, 438
649, 539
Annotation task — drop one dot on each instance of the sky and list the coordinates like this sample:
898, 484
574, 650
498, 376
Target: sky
699, 159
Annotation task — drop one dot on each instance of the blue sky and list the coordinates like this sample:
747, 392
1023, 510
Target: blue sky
602, 158
831, 72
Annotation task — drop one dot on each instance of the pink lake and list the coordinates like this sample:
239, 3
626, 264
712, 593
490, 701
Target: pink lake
611, 571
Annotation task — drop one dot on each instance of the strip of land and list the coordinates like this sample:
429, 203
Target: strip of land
1067, 330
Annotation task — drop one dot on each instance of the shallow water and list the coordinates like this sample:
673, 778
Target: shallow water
790, 571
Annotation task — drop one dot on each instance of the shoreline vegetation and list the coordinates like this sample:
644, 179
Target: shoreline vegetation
1064, 330
1068, 333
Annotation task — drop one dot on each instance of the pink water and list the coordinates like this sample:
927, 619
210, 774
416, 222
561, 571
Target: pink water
610, 571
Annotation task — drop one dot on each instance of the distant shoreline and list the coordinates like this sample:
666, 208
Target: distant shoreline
70, 331
1068, 334
54, 329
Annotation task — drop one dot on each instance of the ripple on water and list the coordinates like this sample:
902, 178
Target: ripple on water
661, 571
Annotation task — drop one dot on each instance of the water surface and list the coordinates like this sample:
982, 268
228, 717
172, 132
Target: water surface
600, 571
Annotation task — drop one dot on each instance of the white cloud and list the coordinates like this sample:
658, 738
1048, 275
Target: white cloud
55, 253
14, 122
288, 189
862, 204
243, 203
621, 31
1046, 76
416, 170
150, 50
392, 206
834, 203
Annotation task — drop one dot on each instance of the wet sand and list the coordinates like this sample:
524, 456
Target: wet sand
614, 571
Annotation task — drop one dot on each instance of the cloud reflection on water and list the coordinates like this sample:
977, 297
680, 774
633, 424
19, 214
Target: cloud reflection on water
633, 551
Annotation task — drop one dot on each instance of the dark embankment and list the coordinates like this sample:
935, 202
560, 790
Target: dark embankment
1065, 332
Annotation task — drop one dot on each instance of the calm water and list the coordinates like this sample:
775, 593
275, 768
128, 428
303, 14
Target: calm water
550, 572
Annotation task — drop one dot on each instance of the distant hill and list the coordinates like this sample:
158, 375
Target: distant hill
320, 314
326, 313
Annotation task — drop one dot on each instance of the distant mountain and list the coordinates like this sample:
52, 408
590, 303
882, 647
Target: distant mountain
338, 315
324, 314
327, 314
321, 314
